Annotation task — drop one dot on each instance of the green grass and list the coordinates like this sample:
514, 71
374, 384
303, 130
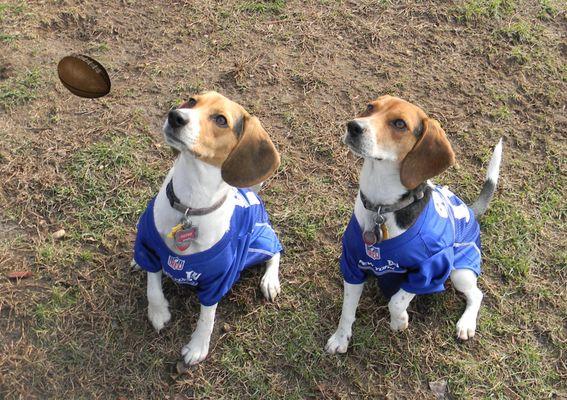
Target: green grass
548, 10
11, 9
501, 113
474, 10
519, 32
263, 7
46, 313
107, 167
7, 38
20, 89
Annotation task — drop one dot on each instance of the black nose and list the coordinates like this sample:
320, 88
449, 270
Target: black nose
354, 129
177, 119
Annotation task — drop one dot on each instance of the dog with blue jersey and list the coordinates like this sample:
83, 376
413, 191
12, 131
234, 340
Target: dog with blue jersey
444, 237
249, 241
207, 223
409, 234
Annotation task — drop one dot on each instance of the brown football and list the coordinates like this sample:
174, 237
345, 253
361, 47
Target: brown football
83, 76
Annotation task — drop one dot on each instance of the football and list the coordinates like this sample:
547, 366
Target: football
83, 76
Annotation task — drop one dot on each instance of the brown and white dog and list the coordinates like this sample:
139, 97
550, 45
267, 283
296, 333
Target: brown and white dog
221, 147
402, 149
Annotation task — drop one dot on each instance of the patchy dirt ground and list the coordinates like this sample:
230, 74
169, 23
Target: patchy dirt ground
78, 328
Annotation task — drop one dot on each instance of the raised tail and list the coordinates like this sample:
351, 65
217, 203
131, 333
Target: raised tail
481, 204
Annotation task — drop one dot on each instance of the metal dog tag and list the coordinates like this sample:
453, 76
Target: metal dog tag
182, 239
369, 238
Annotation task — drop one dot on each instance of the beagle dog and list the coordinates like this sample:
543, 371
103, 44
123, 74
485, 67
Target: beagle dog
407, 232
205, 225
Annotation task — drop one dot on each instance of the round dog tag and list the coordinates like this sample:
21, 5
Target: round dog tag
184, 237
369, 238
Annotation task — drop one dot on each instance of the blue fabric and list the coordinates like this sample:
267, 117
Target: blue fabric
250, 240
446, 235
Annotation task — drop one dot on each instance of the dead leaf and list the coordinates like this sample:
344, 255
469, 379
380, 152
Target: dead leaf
59, 234
439, 388
19, 274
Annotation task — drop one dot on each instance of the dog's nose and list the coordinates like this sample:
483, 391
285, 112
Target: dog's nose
354, 129
177, 119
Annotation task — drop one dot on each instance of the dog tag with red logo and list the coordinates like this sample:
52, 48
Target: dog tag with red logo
183, 238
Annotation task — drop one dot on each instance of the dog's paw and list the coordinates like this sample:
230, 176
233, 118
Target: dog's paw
159, 315
400, 322
338, 343
466, 327
195, 351
270, 286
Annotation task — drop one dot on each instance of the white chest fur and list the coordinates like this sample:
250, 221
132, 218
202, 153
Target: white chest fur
197, 185
380, 182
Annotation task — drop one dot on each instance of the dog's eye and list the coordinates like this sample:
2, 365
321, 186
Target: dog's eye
191, 102
369, 108
220, 120
399, 124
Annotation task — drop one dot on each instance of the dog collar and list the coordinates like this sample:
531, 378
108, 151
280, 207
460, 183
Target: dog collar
380, 232
182, 208
388, 208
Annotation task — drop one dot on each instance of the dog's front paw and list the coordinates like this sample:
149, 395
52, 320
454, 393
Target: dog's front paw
270, 286
338, 343
159, 314
399, 322
466, 327
195, 351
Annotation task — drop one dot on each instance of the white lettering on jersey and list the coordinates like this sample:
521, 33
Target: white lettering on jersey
252, 198
440, 206
460, 211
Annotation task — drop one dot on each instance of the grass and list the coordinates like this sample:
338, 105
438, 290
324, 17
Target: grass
264, 6
90, 166
474, 10
519, 32
548, 10
20, 89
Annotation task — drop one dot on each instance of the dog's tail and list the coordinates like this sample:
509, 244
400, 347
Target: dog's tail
480, 206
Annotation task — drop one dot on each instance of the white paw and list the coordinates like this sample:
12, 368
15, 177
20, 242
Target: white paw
159, 314
399, 322
196, 350
270, 286
466, 326
338, 343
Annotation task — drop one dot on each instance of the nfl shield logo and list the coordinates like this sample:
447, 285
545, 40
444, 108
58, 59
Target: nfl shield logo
372, 252
175, 263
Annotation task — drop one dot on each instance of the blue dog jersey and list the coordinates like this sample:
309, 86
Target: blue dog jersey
250, 240
446, 235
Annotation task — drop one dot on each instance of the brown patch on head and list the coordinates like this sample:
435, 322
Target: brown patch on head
418, 141
232, 140
394, 122
218, 126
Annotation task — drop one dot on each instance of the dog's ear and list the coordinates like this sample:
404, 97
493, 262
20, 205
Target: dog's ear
253, 159
431, 155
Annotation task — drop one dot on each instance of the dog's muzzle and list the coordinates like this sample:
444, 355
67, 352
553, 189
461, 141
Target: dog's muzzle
354, 129
353, 134
177, 119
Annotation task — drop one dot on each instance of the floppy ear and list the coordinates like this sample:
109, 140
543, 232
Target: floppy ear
253, 159
431, 155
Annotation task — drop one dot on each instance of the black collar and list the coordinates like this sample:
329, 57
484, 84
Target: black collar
176, 204
381, 209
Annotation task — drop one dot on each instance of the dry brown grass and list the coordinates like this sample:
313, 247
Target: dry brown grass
77, 328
